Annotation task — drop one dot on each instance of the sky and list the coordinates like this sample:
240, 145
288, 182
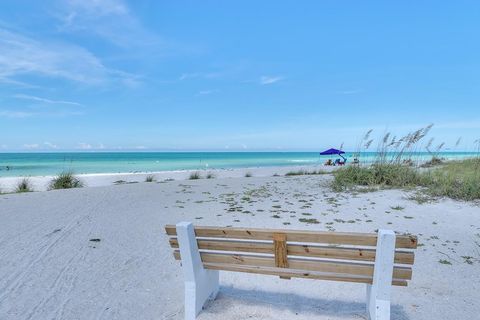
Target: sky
93, 75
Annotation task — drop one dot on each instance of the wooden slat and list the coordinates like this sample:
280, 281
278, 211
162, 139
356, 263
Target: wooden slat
296, 273
401, 257
280, 249
300, 264
349, 238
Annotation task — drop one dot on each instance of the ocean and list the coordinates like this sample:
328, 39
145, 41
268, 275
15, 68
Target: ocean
40, 164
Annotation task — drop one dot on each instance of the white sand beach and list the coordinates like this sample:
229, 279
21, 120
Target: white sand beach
102, 253
40, 183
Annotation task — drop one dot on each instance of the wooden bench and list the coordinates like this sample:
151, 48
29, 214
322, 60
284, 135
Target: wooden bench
378, 260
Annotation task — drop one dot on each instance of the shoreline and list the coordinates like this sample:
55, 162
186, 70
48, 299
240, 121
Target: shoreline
40, 183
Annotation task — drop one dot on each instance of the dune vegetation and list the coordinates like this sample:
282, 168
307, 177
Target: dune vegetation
395, 166
195, 175
150, 178
304, 172
65, 180
24, 185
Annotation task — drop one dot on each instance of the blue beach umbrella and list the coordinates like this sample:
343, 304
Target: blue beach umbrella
333, 151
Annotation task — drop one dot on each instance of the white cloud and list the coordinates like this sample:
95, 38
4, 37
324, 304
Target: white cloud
31, 146
50, 145
21, 55
84, 146
264, 80
3, 146
39, 99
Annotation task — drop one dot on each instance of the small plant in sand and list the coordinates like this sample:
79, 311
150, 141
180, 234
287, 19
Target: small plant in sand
304, 172
210, 175
435, 161
150, 178
248, 175
195, 175
24, 185
309, 220
65, 180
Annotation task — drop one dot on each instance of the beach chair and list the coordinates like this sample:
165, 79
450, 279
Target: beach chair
378, 260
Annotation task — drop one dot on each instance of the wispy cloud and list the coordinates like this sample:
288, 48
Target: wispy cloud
16, 114
111, 20
31, 146
33, 112
44, 100
21, 55
202, 75
265, 80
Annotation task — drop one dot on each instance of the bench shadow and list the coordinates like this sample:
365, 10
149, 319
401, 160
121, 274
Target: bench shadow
295, 303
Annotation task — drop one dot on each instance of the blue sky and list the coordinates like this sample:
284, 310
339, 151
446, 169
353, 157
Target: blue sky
244, 75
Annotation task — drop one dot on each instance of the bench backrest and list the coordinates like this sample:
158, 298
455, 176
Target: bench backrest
340, 256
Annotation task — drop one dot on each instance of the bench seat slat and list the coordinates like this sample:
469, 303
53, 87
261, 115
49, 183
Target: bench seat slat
360, 254
300, 264
348, 238
296, 273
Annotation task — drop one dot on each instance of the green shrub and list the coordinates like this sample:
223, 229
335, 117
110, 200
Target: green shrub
24, 186
65, 180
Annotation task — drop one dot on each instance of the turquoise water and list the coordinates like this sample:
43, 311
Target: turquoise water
38, 164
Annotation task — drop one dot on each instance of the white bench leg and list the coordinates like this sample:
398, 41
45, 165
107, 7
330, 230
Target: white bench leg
200, 284
378, 293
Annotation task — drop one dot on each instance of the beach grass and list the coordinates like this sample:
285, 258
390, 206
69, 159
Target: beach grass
304, 172
195, 175
383, 175
24, 185
210, 175
455, 179
150, 178
395, 166
435, 161
65, 180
